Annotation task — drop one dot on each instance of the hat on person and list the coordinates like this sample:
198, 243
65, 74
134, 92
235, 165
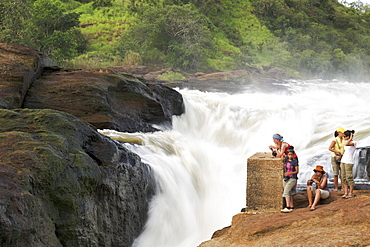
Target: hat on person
319, 169
340, 130
279, 137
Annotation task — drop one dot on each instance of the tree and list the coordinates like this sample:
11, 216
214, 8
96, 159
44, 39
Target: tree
14, 23
53, 29
177, 36
43, 25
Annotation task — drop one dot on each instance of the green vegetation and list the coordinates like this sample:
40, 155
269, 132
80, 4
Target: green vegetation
167, 36
45, 25
323, 36
171, 76
311, 38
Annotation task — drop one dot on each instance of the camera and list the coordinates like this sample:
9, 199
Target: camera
311, 181
274, 153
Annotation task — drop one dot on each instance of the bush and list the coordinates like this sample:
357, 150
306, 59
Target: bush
178, 34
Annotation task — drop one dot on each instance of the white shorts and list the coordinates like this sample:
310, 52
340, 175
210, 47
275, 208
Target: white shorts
324, 194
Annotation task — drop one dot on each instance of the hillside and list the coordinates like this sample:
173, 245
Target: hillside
316, 38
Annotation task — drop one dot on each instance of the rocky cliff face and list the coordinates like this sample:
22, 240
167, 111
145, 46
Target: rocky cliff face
61, 182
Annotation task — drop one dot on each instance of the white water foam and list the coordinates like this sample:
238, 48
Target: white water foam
200, 164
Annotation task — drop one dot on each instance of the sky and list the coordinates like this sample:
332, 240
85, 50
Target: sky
350, 1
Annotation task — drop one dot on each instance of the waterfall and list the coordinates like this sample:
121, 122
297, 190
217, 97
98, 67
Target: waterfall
200, 163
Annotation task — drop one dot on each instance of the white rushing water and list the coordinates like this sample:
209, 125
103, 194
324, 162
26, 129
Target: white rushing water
200, 164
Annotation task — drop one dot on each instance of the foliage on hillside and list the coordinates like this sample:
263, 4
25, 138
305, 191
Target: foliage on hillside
324, 37
229, 36
45, 25
312, 38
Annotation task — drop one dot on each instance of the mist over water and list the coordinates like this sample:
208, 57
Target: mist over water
200, 164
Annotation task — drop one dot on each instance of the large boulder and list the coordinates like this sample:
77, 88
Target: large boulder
106, 98
19, 67
64, 184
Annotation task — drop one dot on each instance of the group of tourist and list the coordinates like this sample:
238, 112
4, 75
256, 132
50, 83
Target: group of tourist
342, 160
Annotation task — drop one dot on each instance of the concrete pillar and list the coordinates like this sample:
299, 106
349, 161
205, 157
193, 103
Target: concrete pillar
264, 183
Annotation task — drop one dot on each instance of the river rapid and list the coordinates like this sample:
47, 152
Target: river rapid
200, 162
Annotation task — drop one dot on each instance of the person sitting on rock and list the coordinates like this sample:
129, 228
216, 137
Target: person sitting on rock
320, 190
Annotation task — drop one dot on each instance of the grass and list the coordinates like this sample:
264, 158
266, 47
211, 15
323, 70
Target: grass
171, 76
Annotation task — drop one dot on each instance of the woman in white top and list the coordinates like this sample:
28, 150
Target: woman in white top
346, 164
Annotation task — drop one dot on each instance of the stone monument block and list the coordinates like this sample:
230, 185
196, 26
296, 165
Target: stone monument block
264, 183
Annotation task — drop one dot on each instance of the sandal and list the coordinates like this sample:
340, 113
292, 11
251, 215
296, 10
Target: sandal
350, 195
345, 196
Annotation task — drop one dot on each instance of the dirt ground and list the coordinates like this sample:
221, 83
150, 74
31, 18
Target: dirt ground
335, 222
